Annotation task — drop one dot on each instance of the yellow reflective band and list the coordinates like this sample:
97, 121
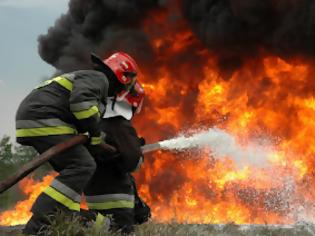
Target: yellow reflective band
60, 80
64, 200
64, 82
46, 131
111, 205
86, 113
96, 140
43, 84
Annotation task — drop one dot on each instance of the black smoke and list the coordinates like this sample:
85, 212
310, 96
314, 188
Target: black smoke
101, 26
237, 29
234, 29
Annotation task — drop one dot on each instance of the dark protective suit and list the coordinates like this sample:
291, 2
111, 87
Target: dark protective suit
52, 113
112, 190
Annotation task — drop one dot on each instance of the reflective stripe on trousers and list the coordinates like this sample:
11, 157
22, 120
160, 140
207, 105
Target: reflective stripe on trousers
110, 201
64, 195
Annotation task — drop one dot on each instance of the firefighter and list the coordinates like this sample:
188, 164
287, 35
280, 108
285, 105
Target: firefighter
112, 190
59, 109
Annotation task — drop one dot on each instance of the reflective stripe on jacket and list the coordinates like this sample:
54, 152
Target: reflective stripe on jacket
66, 104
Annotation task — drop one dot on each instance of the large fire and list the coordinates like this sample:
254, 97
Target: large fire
267, 99
255, 104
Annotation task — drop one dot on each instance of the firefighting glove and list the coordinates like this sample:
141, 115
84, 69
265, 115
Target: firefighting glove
98, 151
95, 140
93, 144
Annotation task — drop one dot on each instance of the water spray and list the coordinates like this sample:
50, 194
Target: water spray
219, 142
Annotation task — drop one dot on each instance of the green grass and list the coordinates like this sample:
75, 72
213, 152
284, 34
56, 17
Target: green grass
72, 227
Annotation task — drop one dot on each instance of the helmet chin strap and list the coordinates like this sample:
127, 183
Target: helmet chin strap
119, 98
114, 102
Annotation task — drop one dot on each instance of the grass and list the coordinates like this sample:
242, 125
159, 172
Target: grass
63, 226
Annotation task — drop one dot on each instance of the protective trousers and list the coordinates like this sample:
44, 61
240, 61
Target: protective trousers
111, 193
75, 167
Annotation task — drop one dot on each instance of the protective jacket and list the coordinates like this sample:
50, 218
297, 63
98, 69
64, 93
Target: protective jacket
68, 104
121, 134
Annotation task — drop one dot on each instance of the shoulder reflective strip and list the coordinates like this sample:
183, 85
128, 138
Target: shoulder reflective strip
111, 205
35, 132
86, 113
82, 105
22, 124
64, 82
96, 140
43, 84
62, 188
64, 200
110, 197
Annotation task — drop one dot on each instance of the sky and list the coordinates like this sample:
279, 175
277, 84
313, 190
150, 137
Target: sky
21, 68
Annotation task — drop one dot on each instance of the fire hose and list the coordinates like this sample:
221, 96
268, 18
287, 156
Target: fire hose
55, 150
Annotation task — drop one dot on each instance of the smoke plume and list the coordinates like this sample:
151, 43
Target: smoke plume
235, 29
96, 26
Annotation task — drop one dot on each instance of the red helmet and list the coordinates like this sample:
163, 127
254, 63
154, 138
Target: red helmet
124, 67
136, 96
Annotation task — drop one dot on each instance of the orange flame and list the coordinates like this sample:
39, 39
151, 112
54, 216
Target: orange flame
21, 212
217, 190
266, 100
